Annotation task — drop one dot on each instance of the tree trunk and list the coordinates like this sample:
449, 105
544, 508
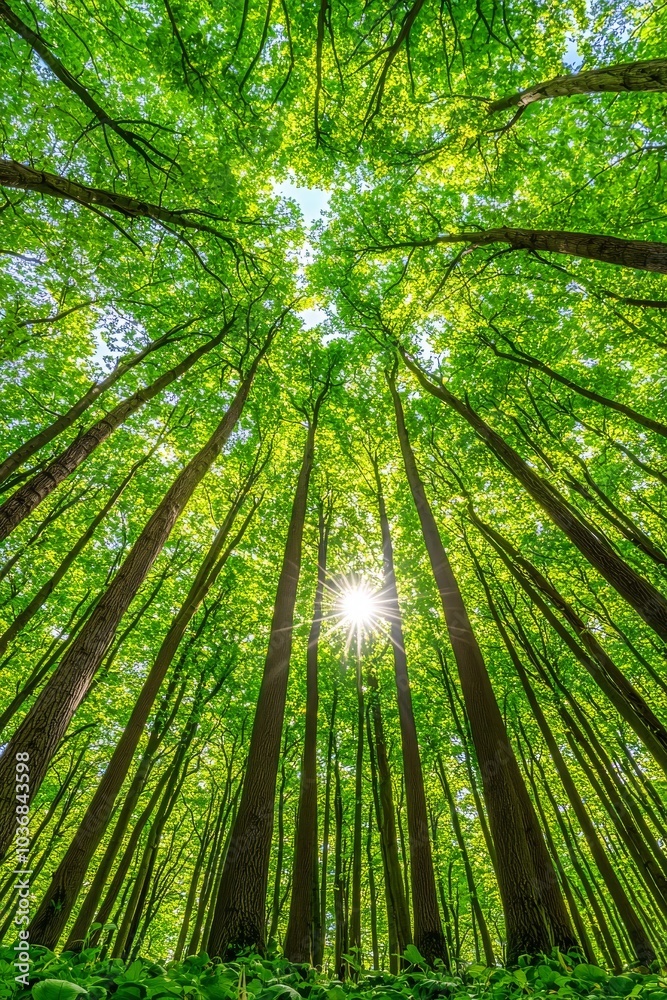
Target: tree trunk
398, 916
240, 911
56, 906
355, 908
47, 589
651, 75
535, 915
428, 935
648, 602
41, 731
61, 423
25, 178
640, 941
626, 699
317, 961
299, 943
475, 904
30, 495
642, 255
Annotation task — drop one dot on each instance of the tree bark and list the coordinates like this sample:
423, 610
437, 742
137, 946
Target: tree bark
648, 602
355, 907
325, 834
651, 75
30, 495
535, 915
41, 731
642, 255
299, 939
428, 935
25, 178
239, 919
398, 915
640, 941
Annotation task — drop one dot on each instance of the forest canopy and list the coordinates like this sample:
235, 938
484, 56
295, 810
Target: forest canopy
333, 607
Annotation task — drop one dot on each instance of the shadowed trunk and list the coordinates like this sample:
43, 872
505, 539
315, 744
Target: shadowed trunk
240, 909
648, 602
299, 939
428, 936
535, 915
41, 731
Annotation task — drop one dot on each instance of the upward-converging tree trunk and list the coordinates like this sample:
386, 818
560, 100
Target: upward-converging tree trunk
637, 591
427, 936
651, 74
41, 731
239, 918
299, 939
60, 897
398, 917
30, 495
535, 915
61, 423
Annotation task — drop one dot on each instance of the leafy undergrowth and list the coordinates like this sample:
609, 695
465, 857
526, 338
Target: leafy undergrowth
86, 977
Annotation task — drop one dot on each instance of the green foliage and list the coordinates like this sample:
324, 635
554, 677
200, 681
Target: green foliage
254, 978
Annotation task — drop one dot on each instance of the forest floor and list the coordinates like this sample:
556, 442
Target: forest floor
87, 977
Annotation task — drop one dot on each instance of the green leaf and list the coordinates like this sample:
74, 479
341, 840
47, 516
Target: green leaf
56, 989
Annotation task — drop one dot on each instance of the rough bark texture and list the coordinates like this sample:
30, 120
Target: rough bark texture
299, 939
643, 255
30, 495
41, 731
25, 178
648, 75
535, 915
428, 935
648, 602
239, 918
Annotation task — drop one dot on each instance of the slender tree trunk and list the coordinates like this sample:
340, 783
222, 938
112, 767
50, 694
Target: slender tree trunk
299, 944
60, 897
373, 914
61, 423
521, 357
626, 699
47, 589
638, 936
397, 907
41, 731
340, 947
31, 494
428, 935
355, 908
536, 918
651, 75
278, 879
475, 904
649, 603
325, 834
240, 910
